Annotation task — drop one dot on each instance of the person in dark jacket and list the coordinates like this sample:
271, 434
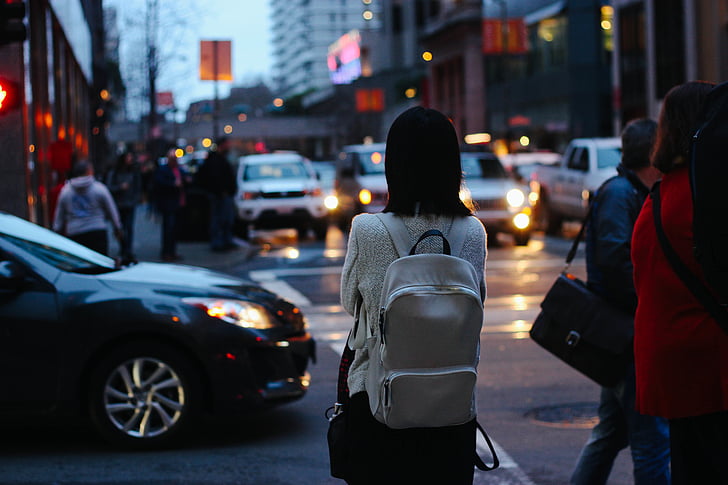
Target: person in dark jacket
125, 184
615, 208
169, 196
217, 178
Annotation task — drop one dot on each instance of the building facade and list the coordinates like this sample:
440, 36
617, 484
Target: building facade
661, 43
60, 115
303, 30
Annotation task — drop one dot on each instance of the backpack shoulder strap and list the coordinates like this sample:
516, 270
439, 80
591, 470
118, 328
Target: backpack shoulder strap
456, 234
397, 231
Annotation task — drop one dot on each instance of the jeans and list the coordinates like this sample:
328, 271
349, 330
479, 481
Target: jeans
620, 426
222, 217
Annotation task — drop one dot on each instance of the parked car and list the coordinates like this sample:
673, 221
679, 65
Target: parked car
564, 189
141, 350
280, 190
500, 202
361, 185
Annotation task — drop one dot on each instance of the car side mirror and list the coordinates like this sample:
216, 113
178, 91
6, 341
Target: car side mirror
12, 276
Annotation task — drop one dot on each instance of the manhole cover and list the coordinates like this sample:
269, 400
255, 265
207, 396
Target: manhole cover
576, 415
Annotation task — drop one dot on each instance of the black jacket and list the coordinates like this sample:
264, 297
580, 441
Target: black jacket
616, 205
216, 176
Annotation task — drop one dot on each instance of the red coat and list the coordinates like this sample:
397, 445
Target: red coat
681, 354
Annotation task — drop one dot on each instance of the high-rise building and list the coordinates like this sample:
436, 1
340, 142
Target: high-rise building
302, 32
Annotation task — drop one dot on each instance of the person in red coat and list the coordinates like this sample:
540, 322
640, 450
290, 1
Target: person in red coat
681, 354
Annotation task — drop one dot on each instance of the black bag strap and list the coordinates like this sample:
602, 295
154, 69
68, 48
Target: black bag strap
697, 287
347, 357
478, 460
575, 245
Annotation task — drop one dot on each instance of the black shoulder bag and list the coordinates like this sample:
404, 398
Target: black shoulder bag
582, 329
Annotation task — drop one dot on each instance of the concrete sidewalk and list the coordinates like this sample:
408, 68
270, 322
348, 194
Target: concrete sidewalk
148, 240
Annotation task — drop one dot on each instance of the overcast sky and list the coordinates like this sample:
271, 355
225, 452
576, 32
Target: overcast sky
245, 22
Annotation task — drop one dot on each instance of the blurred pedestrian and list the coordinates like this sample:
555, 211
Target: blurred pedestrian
423, 177
681, 353
614, 210
169, 197
125, 184
84, 206
217, 178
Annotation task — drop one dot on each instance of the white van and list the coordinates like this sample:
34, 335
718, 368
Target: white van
279, 190
361, 185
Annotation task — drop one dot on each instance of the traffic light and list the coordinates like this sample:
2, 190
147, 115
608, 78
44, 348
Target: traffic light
9, 95
12, 28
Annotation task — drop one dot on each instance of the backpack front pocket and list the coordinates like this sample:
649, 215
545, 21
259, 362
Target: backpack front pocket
429, 399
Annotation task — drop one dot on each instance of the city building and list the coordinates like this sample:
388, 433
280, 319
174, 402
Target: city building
58, 114
659, 44
303, 30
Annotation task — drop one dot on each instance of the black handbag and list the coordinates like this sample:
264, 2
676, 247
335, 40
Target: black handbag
338, 435
582, 329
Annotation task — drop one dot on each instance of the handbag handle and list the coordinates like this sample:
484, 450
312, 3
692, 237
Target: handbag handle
430, 233
478, 460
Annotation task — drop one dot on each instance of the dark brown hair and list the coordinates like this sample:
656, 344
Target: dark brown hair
422, 165
681, 110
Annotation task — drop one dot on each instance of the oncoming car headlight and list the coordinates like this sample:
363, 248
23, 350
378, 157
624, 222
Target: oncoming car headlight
515, 198
238, 312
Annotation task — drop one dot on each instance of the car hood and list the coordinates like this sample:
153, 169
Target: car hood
491, 188
172, 277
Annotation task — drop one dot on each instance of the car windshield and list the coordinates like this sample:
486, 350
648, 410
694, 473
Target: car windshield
608, 157
371, 163
285, 170
53, 248
476, 167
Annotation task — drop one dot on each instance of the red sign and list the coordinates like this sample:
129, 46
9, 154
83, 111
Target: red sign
369, 100
165, 99
493, 38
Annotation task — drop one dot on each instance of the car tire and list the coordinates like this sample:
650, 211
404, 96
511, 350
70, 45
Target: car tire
552, 222
144, 396
521, 238
320, 229
242, 230
302, 231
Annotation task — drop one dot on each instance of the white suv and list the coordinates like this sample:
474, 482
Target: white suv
279, 190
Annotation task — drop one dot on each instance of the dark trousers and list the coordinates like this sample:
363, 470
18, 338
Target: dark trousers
699, 449
126, 214
169, 232
422, 456
96, 240
222, 217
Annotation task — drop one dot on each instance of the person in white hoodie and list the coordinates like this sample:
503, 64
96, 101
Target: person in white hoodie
83, 209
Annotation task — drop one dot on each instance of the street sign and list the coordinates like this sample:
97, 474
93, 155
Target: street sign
215, 60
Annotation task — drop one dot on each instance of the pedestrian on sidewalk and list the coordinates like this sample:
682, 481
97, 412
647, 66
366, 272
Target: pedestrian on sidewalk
169, 197
681, 353
84, 206
217, 178
125, 184
424, 177
614, 211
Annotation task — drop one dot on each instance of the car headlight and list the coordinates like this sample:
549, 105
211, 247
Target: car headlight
365, 197
238, 312
331, 202
515, 198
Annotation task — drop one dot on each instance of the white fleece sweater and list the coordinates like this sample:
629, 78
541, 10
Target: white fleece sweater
371, 250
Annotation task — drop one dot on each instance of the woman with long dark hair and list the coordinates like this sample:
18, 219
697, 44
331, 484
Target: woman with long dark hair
681, 353
424, 176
